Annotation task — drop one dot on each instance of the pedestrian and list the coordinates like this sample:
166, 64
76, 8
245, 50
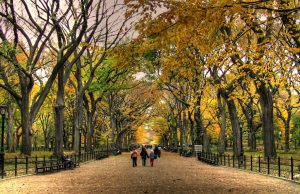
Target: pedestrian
134, 156
67, 162
144, 156
156, 152
152, 157
159, 151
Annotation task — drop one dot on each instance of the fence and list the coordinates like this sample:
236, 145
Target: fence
288, 168
19, 166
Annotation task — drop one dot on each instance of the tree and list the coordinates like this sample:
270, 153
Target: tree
224, 41
28, 36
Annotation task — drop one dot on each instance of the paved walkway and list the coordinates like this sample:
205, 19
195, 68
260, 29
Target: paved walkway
171, 174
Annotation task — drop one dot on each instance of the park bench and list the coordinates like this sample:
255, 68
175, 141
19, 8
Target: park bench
101, 155
208, 158
48, 165
186, 153
117, 152
51, 165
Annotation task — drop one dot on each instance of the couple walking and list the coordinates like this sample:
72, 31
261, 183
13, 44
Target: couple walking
144, 155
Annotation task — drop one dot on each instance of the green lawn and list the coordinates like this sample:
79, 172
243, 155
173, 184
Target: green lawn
292, 153
35, 153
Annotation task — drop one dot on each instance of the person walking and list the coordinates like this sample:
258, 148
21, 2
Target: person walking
156, 152
152, 157
144, 156
134, 156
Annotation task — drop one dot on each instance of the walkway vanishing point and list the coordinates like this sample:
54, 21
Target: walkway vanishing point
170, 174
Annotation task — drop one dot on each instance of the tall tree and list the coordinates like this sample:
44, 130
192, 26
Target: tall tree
29, 28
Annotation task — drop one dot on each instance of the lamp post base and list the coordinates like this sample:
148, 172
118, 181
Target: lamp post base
2, 171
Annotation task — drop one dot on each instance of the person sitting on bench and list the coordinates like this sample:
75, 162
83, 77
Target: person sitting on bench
68, 163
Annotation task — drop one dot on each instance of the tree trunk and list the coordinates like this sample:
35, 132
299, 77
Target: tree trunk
206, 143
59, 115
287, 126
90, 131
185, 130
65, 139
113, 125
181, 140
47, 141
202, 137
73, 134
78, 120
18, 137
84, 141
179, 120
59, 120
252, 136
175, 136
266, 103
249, 115
237, 136
287, 137
119, 139
78, 123
222, 136
35, 142
252, 140
199, 123
191, 130
10, 133
26, 126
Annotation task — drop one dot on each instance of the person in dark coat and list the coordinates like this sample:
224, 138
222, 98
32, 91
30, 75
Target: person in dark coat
68, 163
144, 156
156, 152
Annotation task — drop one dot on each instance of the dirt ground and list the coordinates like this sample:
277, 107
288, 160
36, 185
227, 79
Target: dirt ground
170, 174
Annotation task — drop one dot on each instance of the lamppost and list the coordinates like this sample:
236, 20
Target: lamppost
278, 139
80, 145
107, 144
241, 156
2, 111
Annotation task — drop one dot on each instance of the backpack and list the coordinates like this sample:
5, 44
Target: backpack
134, 154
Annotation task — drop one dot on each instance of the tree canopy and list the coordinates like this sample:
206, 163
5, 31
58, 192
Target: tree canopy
222, 73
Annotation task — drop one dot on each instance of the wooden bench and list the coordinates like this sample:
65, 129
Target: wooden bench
48, 165
51, 165
101, 155
211, 159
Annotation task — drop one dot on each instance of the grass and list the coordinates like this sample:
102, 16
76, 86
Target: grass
295, 153
280, 153
17, 167
34, 153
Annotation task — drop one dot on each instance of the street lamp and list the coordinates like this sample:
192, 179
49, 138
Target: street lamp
241, 138
2, 111
241, 156
80, 145
107, 144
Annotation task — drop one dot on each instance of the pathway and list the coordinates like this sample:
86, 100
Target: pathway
171, 174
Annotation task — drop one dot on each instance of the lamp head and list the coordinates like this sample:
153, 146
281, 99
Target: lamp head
241, 125
3, 109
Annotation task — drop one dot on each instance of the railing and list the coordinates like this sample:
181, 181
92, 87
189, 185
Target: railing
288, 168
19, 166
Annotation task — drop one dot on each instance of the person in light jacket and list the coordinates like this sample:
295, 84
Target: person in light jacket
152, 157
134, 156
